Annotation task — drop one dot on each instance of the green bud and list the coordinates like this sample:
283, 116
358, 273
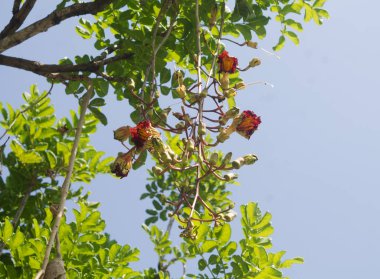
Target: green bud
236, 164
180, 125
252, 44
202, 129
204, 93
190, 145
214, 158
227, 158
131, 84
240, 85
181, 90
232, 112
157, 170
254, 62
230, 176
229, 93
250, 159
157, 94
178, 77
229, 216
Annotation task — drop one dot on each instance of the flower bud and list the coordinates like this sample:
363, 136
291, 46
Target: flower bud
223, 136
250, 159
236, 164
229, 216
178, 77
240, 85
157, 94
157, 170
213, 159
178, 115
232, 112
254, 62
230, 176
229, 93
227, 158
181, 90
131, 84
213, 14
252, 44
203, 94
202, 129
180, 125
190, 145
122, 133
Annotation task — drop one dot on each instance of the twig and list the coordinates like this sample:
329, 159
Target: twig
66, 183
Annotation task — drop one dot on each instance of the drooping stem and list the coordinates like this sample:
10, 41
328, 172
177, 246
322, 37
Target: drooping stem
66, 183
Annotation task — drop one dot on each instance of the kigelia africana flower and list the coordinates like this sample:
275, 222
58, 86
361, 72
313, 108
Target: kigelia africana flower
249, 122
142, 132
227, 64
246, 123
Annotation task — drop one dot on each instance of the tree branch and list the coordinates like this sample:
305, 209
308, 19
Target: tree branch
16, 6
66, 183
40, 68
52, 19
18, 18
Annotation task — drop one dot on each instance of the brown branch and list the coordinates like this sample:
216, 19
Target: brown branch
18, 18
66, 183
51, 20
16, 6
41, 69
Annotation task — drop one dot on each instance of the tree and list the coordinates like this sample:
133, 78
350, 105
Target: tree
45, 157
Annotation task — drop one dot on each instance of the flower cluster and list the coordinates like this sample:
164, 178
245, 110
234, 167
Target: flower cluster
140, 135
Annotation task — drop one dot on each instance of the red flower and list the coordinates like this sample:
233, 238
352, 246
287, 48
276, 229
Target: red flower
122, 164
227, 64
142, 132
248, 124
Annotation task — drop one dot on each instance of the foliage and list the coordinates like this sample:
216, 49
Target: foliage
139, 42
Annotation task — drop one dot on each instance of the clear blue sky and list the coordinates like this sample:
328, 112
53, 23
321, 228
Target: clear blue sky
318, 145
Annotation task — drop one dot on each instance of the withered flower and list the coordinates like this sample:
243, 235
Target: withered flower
248, 124
122, 164
227, 64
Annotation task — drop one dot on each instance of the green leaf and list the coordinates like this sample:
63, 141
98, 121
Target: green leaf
99, 115
224, 234
7, 230
293, 24
308, 12
97, 102
319, 3
17, 239
208, 246
26, 157
280, 44
33, 263
202, 264
288, 263
52, 159
292, 36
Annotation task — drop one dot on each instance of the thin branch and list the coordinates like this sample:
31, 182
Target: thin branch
66, 183
21, 208
18, 18
40, 68
54, 18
